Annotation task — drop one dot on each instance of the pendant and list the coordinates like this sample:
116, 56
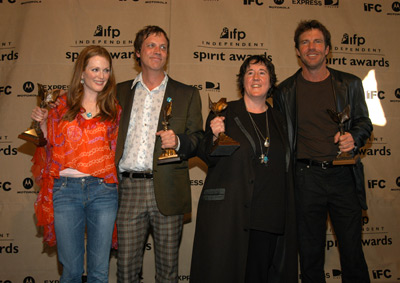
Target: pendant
89, 114
263, 159
266, 143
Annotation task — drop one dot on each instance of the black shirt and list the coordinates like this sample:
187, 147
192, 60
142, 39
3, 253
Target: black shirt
268, 202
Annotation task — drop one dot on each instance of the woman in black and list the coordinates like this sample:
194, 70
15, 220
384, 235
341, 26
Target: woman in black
245, 230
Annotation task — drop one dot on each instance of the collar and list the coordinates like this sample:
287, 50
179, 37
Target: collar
139, 78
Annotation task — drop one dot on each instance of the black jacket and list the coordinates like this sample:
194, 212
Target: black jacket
348, 90
223, 216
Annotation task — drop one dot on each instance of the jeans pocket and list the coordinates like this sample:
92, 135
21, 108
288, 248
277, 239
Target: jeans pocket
109, 186
58, 185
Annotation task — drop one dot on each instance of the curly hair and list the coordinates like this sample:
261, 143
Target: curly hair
255, 59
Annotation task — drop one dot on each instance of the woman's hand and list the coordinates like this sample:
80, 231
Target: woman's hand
217, 126
40, 115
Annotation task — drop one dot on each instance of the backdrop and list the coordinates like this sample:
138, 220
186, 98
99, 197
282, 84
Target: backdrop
40, 40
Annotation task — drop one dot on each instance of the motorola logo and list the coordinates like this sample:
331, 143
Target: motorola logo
29, 279
397, 93
28, 87
27, 183
396, 6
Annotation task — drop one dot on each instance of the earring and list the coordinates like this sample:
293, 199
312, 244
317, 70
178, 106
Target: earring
82, 81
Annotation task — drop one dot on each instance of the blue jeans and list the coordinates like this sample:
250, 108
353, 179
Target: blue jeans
81, 203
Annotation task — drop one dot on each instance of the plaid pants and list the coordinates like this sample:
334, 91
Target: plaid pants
137, 215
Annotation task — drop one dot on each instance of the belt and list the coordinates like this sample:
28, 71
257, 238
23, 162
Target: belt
137, 175
322, 164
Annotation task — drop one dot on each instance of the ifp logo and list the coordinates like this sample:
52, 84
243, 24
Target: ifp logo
353, 40
232, 34
106, 32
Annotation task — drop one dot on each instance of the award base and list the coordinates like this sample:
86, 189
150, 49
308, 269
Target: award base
346, 158
224, 146
32, 136
168, 156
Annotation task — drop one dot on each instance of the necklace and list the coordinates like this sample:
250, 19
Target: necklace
89, 114
264, 154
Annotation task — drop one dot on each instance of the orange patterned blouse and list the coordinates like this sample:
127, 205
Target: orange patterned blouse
85, 145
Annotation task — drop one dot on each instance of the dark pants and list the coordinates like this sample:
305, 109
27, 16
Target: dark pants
261, 251
319, 192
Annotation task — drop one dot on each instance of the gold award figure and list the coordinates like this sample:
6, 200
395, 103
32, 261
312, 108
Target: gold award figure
35, 134
169, 154
223, 145
343, 158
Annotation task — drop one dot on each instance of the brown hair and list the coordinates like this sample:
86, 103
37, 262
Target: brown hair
255, 59
308, 25
106, 99
144, 33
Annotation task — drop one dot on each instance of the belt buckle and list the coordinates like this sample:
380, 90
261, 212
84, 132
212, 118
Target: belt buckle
324, 165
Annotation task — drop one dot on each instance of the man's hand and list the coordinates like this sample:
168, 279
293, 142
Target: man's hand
168, 139
346, 141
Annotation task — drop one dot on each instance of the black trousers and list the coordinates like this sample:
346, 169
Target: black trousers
319, 192
261, 251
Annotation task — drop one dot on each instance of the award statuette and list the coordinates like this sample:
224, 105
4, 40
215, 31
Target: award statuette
35, 134
223, 145
343, 158
168, 155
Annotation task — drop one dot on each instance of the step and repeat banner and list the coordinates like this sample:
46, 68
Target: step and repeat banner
40, 41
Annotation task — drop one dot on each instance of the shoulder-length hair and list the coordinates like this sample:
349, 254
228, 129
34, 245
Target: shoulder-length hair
255, 59
106, 99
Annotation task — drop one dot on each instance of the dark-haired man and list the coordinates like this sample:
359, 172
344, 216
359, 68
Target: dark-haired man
321, 187
154, 197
